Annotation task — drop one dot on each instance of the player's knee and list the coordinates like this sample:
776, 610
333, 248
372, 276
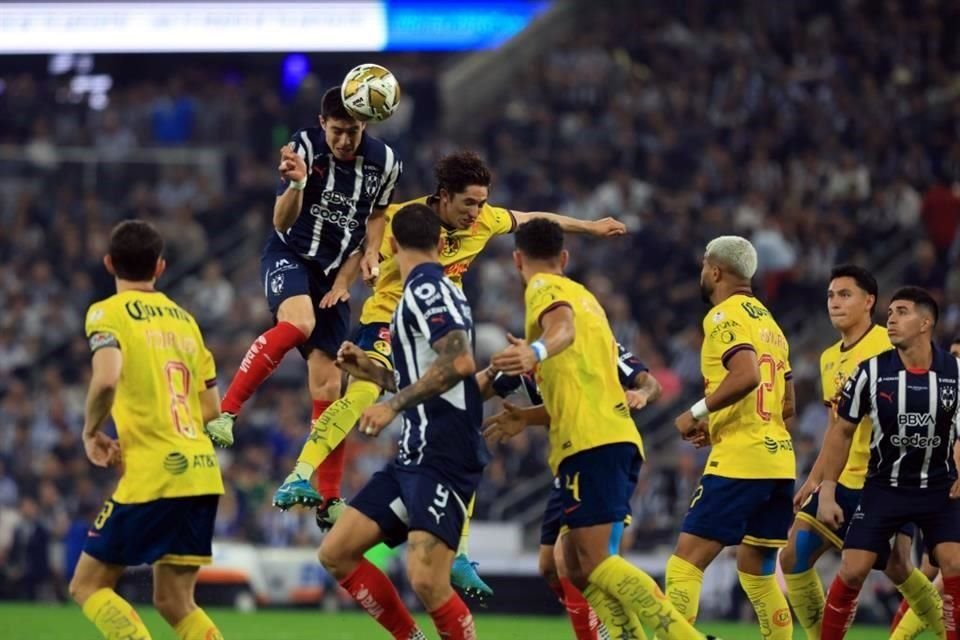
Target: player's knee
898, 568
431, 591
949, 564
788, 559
852, 577
325, 387
334, 559
579, 576
80, 589
173, 606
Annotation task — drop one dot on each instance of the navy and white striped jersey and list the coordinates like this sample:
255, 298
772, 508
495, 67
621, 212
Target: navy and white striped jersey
339, 197
444, 432
914, 416
629, 367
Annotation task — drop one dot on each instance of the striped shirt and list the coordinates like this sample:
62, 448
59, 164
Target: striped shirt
444, 432
339, 197
914, 418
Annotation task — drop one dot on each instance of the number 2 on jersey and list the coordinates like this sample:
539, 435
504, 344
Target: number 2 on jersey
178, 384
768, 373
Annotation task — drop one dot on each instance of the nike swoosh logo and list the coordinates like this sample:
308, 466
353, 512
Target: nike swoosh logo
573, 508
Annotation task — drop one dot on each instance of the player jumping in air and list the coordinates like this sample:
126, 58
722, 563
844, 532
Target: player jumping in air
328, 221
745, 496
153, 374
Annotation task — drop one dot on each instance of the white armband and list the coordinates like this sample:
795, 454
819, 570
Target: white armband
297, 185
699, 410
540, 349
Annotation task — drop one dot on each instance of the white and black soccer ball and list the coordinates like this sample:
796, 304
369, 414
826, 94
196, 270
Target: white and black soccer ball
370, 92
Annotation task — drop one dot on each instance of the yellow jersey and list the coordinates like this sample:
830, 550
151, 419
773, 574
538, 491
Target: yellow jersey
157, 404
580, 385
460, 248
836, 365
749, 438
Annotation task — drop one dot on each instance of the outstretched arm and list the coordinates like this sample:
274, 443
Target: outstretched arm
603, 227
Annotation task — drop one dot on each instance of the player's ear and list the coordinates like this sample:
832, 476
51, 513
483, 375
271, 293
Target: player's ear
108, 265
440, 243
394, 245
518, 260
161, 267
564, 258
323, 122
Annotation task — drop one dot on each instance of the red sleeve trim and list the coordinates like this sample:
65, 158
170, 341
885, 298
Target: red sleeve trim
555, 305
513, 221
729, 353
211, 383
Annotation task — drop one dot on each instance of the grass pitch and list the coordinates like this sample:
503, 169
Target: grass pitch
66, 622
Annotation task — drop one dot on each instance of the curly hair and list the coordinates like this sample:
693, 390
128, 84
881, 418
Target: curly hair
460, 170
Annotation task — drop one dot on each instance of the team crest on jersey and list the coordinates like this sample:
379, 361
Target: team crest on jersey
451, 246
371, 183
382, 347
948, 397
276, 284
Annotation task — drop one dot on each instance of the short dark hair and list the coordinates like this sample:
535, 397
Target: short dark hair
135, 247
864, 279
416, 226
956, 340
921, 298
331, 106
457, 171
540, 239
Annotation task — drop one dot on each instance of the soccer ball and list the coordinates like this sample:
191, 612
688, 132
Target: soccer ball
370, 92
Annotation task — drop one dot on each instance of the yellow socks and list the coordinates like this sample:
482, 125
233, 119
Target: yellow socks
114, 617
332, 427
197, 626
805, 593
770, 605
910, 627
641, 596
619, 622
924, 601
463, 547
684, 582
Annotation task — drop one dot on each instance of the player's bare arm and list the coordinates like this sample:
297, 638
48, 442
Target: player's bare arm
743, 377
293, 169
816, 472
355, 361
209, 404
558, 333
789, 405
512, 420
645, 390
836, 450
346, 276
603, 227
485, 380
370, 261
455, 362
107, 363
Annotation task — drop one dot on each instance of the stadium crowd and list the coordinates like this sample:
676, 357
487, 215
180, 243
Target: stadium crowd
823, 131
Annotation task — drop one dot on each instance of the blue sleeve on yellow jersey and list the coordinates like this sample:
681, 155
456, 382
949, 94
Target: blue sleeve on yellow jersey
504, 385
629, 367
854, 401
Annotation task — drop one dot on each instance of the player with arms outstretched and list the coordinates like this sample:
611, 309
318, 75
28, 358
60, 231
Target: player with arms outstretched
468, 222
328, 221
851, 297
152, 372
641, 389
745, 496
420, 497
909, 394
595, 448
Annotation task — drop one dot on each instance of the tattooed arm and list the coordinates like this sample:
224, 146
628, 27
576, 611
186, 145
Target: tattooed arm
455, 362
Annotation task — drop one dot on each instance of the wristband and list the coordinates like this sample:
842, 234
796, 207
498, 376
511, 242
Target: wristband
699, 410
298, 185
540, 349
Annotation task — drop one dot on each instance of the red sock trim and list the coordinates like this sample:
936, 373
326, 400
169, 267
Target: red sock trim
329, 474
839, 611
898, 616
376, 595
454, 620
261, 359
583, 619
951, 612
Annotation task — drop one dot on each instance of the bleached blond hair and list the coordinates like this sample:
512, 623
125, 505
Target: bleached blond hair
735, 253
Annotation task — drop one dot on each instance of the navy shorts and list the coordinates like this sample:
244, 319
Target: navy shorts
168, 530
403, 499
735, 510
375, 339
552, 524
285, 274
883, 511
848, 499
597, 484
